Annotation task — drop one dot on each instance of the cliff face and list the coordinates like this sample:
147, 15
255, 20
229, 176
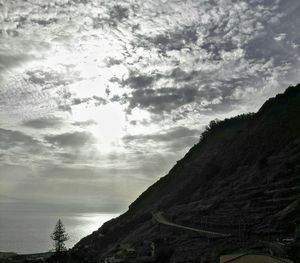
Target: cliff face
241, 179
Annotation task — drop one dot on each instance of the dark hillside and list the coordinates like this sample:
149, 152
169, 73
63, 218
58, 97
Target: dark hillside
241, 179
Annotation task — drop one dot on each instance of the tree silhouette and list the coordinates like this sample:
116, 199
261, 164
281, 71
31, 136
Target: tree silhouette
59, 236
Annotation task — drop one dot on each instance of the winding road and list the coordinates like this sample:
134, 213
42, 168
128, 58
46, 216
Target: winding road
158, 217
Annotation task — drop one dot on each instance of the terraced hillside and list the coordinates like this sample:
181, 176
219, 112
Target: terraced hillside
241, 179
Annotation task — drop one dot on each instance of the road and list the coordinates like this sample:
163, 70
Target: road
158, 216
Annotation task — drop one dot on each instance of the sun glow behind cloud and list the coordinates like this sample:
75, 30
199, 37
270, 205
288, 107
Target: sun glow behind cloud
82, 65
109, 125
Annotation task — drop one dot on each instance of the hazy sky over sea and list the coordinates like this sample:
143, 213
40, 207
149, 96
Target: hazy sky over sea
98, 99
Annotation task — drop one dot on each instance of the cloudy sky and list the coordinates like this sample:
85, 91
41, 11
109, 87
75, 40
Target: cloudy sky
99, 98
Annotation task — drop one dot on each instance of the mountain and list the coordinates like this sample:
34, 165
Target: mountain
238, 188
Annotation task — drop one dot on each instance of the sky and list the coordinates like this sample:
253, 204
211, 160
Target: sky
99, 99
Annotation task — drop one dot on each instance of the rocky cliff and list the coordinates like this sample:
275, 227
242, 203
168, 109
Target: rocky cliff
241, 180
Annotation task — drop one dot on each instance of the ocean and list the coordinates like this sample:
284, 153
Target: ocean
27, 232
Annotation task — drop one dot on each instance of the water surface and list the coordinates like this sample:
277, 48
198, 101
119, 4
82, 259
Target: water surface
29, 231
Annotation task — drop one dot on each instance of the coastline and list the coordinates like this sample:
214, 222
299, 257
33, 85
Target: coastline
14, 257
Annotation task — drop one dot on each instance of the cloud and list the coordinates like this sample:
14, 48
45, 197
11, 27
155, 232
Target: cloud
14, 172
174, 40
42, 123
99, 101
8, 61
78, 101
174, 139
87, 192
169, 135
118, 13
65, 107
44, 22
84, 123
163, 99
113, 16
112, 61
50, 78
10, 139
136, 80
179, 74
71, 140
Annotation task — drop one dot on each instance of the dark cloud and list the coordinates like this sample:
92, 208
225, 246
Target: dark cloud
65, 107
8, 61
42, 123
181, 75
210, 89
84, 123
136, 80
70, 140
51, 78
78, 101
99, 101
163, 99
65, 100
115, 15
118, 13
109, 61
11, 33
44, 22
10, 139
278, 50
175, 40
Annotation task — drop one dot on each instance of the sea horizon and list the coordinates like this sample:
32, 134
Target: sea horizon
28, 231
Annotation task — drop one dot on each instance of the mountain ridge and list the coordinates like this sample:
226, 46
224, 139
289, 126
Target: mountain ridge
242, 178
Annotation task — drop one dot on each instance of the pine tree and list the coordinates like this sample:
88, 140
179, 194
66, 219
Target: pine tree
59, 236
